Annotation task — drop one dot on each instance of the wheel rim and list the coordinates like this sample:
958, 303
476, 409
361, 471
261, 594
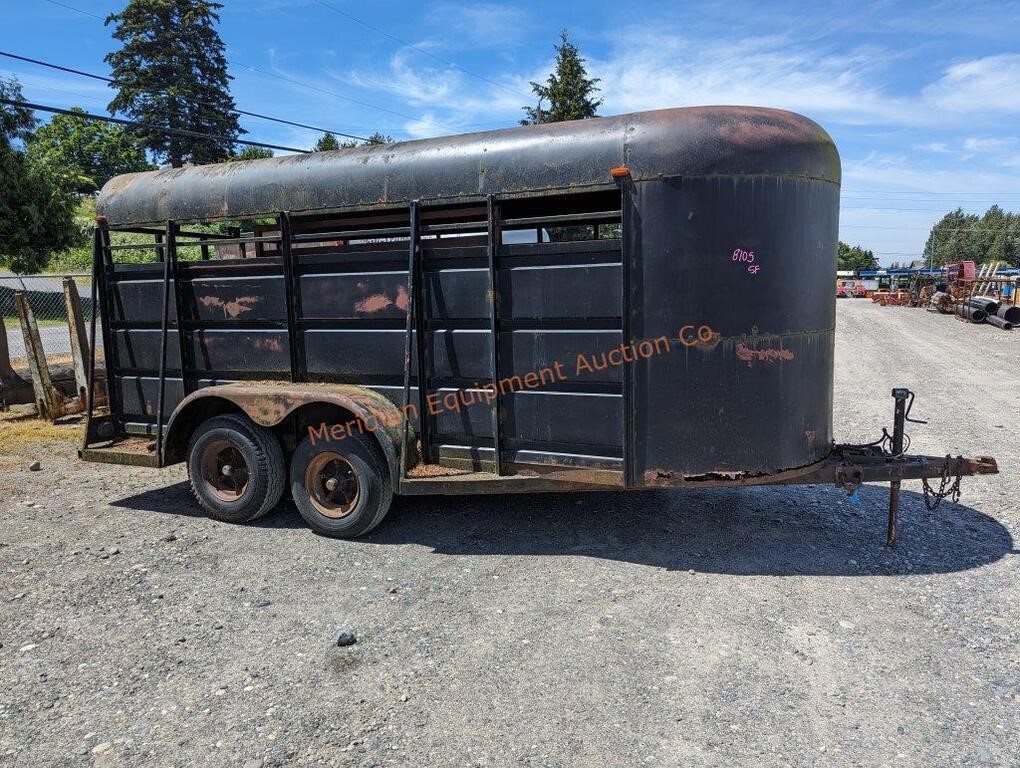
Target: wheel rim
332, 485
224, 470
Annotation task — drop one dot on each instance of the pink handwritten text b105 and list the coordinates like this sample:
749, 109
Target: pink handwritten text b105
748, 257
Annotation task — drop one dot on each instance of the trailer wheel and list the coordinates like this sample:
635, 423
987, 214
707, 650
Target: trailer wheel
236, 468
340, 487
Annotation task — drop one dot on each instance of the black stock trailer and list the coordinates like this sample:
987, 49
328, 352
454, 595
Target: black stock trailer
530, 309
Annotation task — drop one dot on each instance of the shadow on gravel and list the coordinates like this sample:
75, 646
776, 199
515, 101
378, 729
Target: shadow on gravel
177, 499
773, 531
770, 531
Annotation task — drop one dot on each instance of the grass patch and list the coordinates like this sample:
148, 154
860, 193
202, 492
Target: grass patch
20, 436
14, 324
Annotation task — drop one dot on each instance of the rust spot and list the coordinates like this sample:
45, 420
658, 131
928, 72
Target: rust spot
268, 344
749, 356
233, 308
401, 301
375, 303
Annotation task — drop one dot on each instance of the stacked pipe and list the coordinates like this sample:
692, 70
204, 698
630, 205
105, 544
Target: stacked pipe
987, 303
985, 309
974, 314
1005, 317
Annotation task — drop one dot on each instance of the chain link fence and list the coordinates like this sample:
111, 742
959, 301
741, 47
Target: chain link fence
45, 294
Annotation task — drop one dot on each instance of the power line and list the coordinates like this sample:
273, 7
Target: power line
416, 47
145, 126
201, 103
79, 10
292, 80
328, 92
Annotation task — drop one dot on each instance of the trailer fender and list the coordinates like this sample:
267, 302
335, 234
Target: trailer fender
269, 403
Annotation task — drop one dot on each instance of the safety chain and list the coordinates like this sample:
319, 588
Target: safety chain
932, 499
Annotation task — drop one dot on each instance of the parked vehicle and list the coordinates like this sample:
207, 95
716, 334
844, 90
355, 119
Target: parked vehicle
380, 334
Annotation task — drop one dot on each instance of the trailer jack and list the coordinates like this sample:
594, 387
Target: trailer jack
885, 460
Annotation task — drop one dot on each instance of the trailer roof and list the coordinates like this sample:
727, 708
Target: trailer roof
556, 157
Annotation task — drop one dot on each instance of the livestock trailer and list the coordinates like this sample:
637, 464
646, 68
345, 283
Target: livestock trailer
632, 302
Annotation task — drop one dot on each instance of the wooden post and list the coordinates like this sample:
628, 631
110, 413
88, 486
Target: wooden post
6, 369
47, 399
79, 339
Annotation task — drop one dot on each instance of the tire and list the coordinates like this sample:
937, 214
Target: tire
225, 494
360, 495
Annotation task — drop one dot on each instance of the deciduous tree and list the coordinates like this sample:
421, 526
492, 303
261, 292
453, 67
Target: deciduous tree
88, 153
854, 257
251, 153
36, 209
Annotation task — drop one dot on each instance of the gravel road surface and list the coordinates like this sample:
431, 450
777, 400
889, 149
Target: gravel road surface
732, 627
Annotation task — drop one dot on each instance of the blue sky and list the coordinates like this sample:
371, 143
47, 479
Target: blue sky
923, 99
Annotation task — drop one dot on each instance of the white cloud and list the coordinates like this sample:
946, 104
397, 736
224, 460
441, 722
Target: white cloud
648, 71
488, 25
991, 83
986, 144
454, 99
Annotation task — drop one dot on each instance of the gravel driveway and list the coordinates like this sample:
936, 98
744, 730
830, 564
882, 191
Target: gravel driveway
731, 627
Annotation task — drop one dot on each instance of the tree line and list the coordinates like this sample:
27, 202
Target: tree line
991, 238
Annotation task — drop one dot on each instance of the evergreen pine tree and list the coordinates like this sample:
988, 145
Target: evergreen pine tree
327, 143
569, 91
171, 73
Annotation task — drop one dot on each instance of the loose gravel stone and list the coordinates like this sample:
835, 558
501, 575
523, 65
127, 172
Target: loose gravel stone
799, 630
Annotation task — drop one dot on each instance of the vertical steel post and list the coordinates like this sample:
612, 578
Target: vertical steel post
6, 369
291, 292
183, 348
420, 333
163, 330
412, 269
628, 231
97, 267
103, 283
494, 243
899, 419
79, 340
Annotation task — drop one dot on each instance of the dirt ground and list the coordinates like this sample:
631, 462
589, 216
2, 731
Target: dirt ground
743, 627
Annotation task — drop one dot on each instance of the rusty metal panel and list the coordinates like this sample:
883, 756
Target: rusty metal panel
139, 394
748, 385
543, 419
462, 354
354, 295
540, 351
363, 354
138, 350
240, 350
533, 419
245, 298
140, 300
553, 291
